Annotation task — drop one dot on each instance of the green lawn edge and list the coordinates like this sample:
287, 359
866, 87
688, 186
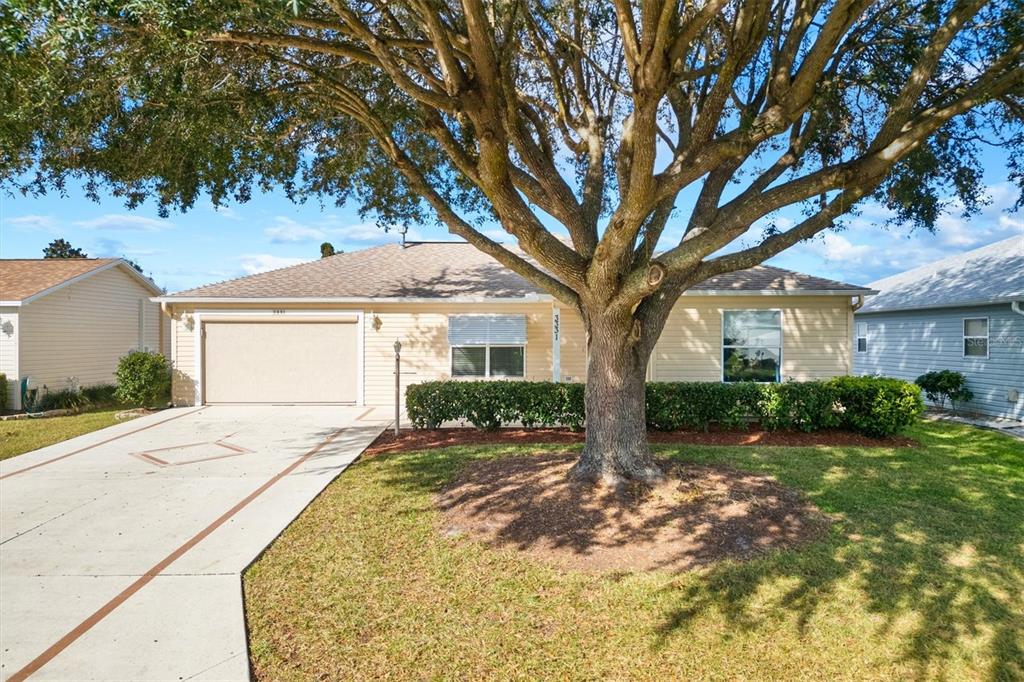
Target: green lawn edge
18, 436
921, 575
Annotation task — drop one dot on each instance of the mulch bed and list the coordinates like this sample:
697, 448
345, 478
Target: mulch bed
699, 515
425, 439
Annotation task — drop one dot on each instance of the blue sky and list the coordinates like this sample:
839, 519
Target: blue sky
206, 245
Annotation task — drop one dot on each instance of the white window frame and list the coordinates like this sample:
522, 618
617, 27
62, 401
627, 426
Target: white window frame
782, 341
858, 336
988, 332
487, 360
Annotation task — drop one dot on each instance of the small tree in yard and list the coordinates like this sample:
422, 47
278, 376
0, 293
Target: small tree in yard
594, 115
143, 379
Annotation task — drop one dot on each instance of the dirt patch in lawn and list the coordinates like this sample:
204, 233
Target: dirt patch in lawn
697, 516
427, 439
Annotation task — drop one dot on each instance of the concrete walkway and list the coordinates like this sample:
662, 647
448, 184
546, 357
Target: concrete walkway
121, 551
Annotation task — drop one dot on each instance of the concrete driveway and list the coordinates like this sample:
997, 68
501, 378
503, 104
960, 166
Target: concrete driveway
121, 550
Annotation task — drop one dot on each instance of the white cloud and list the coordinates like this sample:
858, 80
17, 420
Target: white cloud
262, 262
834, 247
227, 212
115, 248
372, 233
33, 223
290, 231
125, 222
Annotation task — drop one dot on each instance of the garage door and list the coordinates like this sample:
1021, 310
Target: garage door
280, 362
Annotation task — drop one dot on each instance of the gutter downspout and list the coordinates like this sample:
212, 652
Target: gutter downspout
858, 303
1015, 307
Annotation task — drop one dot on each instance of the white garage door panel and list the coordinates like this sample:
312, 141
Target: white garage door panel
281, 362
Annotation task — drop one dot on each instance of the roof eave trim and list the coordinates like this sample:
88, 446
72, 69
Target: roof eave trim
780, 292
536, 298
10, 304
956, 304
145, 281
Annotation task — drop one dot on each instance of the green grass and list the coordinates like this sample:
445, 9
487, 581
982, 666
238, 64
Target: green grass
921, 576
24, 435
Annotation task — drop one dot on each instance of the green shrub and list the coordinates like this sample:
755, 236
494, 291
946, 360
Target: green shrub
803, 406
489, 404
698, 404
877, 406
868, 405
143, 379
3, 392
89, 397
945, 385
101, 395
65, 399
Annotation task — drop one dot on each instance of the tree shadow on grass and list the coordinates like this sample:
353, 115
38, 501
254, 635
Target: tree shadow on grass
929, 540
936, 532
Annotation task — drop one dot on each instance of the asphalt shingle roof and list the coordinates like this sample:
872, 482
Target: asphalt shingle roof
991, 274
24, 278
445, 270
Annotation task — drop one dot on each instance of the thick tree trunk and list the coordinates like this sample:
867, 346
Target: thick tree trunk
616, 449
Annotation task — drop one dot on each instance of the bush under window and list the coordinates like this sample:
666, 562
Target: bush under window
870, 405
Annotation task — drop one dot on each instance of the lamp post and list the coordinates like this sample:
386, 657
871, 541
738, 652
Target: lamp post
398, 383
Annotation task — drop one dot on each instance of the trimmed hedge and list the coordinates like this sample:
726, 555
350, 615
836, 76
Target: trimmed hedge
870, 405
3, 391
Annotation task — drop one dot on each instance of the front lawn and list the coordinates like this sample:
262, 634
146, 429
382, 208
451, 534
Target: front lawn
18, 436
921, 575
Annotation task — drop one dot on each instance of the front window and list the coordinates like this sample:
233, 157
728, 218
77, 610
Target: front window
751, 345
976, 337
486, 346
862, 337
488, 361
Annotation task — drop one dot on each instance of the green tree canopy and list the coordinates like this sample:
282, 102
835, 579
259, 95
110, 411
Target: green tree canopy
589, 114
60, 248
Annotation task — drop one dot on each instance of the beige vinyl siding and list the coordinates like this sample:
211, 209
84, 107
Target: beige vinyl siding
573, 346
83, 329
9, 354
816, 337
183, 358
423, 331
816, 340
421, 327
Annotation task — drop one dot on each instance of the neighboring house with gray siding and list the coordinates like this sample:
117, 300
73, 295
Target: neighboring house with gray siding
964, 313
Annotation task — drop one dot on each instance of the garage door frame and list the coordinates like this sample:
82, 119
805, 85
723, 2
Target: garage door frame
199, 317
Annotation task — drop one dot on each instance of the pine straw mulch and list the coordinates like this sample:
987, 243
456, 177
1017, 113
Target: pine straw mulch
697, 516
428, 439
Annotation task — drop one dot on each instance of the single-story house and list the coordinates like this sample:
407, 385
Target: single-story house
324, 331
65, 322
963, 313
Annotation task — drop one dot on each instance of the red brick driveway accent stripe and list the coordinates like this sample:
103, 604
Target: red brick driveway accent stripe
143, 580
96, 445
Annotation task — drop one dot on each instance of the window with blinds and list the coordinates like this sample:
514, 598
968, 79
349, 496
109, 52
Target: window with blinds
487, 345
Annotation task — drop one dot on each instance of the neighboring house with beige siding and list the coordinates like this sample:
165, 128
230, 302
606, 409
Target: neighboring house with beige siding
66, 322
324, 331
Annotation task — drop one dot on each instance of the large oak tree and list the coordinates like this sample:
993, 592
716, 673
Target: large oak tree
591, 115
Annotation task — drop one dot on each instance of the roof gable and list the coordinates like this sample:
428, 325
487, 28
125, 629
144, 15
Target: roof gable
26, 279
448, 270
